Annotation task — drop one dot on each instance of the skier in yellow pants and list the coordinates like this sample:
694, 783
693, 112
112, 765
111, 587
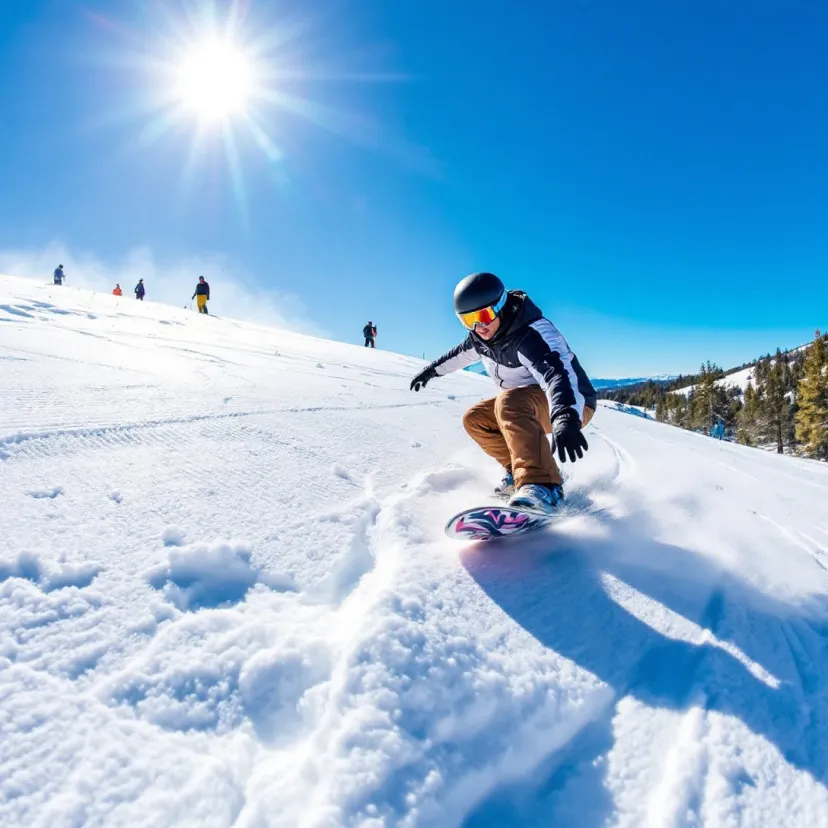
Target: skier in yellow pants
201, 295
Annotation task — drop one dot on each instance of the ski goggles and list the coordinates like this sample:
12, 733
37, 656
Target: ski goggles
483, 316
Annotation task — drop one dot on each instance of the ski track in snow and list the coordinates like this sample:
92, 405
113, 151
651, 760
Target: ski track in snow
226, 598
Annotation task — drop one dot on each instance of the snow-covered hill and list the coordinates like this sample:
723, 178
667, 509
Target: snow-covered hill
226, 598
740, 379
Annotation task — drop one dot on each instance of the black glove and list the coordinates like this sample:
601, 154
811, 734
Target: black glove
567, 437
422, 378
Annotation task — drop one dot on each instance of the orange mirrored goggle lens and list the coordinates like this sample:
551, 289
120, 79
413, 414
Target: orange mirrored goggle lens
484, 316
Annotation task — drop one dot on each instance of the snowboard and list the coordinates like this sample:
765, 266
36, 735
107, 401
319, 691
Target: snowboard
486, 523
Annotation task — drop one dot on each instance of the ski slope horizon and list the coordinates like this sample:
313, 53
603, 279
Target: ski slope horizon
227, 599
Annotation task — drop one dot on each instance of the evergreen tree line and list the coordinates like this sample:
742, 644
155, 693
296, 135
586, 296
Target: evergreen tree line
784, 406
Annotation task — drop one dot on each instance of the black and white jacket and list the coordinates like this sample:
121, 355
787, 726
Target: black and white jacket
527, 350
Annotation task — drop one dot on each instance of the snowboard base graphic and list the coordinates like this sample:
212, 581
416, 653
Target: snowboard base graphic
487, 523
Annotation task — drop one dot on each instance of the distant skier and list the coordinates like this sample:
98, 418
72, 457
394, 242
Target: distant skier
202, 295
718, 430
544, 390
370, 334
117, 291
59, 275
140, 290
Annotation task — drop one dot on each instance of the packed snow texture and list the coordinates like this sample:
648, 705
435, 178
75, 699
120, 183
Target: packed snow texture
226, 598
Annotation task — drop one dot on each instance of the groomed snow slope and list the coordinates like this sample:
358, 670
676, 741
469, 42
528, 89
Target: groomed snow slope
226, 598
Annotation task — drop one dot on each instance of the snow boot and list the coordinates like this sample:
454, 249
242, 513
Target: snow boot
536, 497
506, 487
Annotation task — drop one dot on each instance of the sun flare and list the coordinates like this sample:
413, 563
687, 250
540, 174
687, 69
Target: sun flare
215, 80
228, 83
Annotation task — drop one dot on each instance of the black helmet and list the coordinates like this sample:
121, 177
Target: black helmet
477, 291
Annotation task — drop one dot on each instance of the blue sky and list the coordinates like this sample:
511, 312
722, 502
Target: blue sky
653, 174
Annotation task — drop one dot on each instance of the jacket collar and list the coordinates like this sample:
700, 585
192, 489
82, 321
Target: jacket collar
518, 312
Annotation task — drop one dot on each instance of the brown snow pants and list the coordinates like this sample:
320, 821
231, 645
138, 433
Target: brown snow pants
513, 428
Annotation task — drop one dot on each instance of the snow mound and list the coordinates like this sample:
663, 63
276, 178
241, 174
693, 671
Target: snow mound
41, 494
210, 575
47, 576
216, 672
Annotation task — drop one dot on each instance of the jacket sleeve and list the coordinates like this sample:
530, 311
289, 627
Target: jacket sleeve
461, 356
546, 354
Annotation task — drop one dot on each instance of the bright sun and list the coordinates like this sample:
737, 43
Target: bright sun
215, 80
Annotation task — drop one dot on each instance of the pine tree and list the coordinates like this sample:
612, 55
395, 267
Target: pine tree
797, 364
776, 417
683, 411
710, 400
760, 373
812, 398
732, 406
748, 420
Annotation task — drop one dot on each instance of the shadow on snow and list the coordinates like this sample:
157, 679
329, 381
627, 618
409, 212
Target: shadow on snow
555, 587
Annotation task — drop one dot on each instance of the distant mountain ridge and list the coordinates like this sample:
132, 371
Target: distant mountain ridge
600, 384
603, 384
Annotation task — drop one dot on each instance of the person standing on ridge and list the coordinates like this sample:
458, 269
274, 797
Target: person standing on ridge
543, 390
139, 290
202, 295
370, 334
59, 275
117, 291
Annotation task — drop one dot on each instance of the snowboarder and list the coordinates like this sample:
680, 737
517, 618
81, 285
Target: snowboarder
59, 275
139, 290
544, 389
370, 334
202, 295
117, 291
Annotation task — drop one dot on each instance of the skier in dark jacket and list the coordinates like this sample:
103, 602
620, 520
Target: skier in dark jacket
59, 275
370, 334
139, 290
202, 294
543, 390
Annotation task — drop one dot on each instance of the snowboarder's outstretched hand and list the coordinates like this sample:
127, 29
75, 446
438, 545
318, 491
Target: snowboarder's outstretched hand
567, 437
422, 378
